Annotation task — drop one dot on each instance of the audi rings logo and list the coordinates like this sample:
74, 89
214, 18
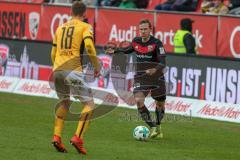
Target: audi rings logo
232, 46
58, 20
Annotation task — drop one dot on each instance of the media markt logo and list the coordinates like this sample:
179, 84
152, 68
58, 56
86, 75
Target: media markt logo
34, 19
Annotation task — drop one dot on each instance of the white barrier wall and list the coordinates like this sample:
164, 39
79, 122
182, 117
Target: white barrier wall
174, 105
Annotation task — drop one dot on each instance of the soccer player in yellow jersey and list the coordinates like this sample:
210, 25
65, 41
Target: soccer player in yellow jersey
67, 74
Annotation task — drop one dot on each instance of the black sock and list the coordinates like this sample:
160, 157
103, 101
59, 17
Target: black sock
145, 115
159, 115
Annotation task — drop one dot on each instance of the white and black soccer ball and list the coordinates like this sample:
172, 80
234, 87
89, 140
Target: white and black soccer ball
141, 133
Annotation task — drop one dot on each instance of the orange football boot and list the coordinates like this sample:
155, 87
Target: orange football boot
78, 144
57, 143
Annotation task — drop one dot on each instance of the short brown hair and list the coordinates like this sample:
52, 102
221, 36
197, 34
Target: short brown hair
146, 21
78, 8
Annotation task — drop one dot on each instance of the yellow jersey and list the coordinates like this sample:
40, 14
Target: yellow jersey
68, 45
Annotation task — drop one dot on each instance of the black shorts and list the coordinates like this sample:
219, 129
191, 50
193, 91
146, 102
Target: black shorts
156, 87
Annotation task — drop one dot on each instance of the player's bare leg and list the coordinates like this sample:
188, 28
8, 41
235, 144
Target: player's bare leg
145, 114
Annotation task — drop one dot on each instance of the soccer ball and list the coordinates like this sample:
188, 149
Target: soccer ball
141, 133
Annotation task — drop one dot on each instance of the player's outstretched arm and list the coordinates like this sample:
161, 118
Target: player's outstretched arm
124, 47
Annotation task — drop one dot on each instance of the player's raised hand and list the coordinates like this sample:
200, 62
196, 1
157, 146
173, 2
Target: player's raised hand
110, 47
124, 47
151, 71
97, 73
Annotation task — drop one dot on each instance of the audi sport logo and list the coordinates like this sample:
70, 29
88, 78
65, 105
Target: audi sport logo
58, 20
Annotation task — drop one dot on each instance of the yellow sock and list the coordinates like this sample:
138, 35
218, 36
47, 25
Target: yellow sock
58, 126
84, 121
59, 120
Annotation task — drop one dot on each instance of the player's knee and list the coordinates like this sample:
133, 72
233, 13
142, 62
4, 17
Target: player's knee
61, 111
139, 102
90, 104
60, 117
66, 103
160, 104
139, 99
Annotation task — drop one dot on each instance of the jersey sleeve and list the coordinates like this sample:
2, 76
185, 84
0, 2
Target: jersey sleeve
161, 53
54, 47
89, 46
88, 32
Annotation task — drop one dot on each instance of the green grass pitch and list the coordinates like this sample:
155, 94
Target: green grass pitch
26, 128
